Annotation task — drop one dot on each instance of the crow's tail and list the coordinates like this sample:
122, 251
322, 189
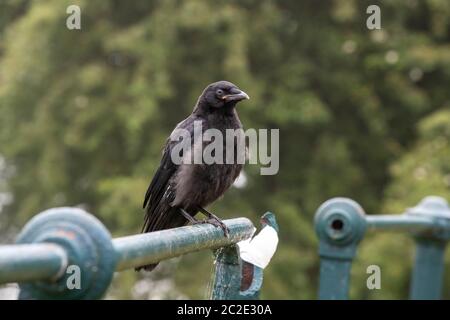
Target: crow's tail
163, 217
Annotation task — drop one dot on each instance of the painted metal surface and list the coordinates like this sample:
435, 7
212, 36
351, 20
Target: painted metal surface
399, 222
235, 278
341, 225
428, 272
152, 247
28, 262
60, 238
334, 279
89, 249
227, 279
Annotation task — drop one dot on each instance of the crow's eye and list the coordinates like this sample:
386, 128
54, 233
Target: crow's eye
219, 92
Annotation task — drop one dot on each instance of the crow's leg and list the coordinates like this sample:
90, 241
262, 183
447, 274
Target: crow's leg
188, 217
214, 220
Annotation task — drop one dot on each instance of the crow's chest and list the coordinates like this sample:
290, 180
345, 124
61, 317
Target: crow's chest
223, 122
202, 183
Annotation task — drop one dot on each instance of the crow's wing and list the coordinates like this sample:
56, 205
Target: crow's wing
160, 192
161, 178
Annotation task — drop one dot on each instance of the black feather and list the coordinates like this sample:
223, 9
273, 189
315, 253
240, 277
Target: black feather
191, 186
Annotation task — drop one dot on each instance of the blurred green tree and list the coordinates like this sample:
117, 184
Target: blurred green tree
84, 114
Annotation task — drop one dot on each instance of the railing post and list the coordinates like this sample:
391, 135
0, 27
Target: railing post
227, 275
340, 225
235, 277
427, 276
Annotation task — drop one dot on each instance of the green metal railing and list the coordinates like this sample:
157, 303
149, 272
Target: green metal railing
58, 243
341, 224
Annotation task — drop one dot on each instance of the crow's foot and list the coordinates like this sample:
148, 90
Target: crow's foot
215, 221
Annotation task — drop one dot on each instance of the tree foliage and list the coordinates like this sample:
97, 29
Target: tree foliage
362, 114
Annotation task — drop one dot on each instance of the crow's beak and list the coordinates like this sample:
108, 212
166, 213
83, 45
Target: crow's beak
237, 95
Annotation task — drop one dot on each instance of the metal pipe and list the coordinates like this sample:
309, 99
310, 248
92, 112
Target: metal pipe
27, 262
142, 249
401, 222
428, 272
47, 261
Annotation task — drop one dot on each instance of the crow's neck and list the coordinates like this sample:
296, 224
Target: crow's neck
203, 109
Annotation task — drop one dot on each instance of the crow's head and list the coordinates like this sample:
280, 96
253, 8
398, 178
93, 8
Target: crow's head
221, 94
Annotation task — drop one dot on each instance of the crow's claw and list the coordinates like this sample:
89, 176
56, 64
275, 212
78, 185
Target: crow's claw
216, 223
219, 224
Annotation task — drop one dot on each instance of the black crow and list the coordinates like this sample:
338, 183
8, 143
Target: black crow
179, 191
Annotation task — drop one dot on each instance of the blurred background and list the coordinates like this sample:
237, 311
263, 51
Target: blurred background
362, 113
